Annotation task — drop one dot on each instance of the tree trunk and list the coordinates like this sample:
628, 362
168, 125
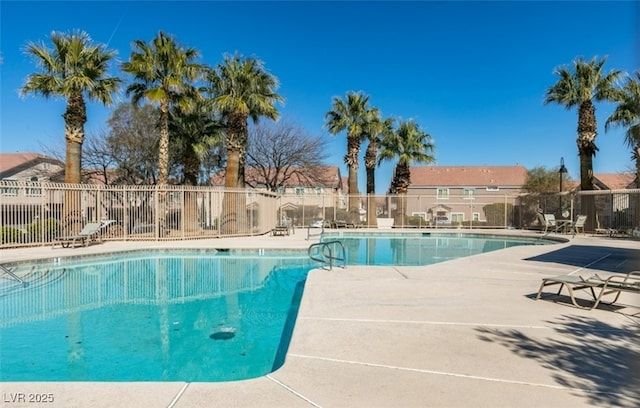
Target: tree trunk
229, 218
75, 117
399, 185
354, 196
370, 165
163, 147
587, 132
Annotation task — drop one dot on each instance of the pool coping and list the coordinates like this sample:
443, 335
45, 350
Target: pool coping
434, 335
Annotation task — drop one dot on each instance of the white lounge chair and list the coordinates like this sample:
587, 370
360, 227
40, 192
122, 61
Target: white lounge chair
89, 232
614, 284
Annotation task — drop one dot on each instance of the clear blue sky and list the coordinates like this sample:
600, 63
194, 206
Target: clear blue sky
472, 74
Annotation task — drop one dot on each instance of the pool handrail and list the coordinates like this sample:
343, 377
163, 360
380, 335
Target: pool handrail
327, 253
13, 275
309, 234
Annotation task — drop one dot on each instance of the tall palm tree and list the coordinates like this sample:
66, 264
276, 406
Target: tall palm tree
74, 69
241, 88
375, 129
409, 144
581, 87
627, 114
352, 115
163, 73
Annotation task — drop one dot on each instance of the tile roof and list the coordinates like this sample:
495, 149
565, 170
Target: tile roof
613, 181
323, 176
468, 176
11, 163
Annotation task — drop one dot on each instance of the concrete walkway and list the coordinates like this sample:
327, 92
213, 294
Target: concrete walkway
463, 333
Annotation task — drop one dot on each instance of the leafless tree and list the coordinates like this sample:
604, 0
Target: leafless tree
133, 143
97, 160
282, 154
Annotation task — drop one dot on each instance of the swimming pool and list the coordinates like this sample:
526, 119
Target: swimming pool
182, 315
406, 249
154, 316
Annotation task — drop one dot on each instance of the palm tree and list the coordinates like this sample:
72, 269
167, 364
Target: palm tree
627, 114
197, 133
350, 115
163, 74
74, 69
374, 130
241, 88
409, 145
586, 84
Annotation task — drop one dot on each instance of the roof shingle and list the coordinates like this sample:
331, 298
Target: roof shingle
468, 176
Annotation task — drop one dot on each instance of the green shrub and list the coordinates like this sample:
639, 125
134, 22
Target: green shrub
43, 231
415, 220
11, 235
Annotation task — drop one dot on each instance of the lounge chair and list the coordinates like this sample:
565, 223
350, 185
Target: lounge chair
597, 285
281, 230
89, 232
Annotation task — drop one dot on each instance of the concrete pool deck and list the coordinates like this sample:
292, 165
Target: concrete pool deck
461, 333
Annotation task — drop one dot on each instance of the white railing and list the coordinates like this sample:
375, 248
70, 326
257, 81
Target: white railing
36, 213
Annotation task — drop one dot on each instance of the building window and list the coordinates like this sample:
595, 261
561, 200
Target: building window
319, 191
442, 193
476, 216
9, 190
457, 217
280, 190
493, 188
468, 193
31, 191
299, 190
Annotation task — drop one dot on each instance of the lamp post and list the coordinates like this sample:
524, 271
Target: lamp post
562, 170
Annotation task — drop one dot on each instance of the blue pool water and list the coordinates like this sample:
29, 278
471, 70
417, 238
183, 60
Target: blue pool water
421, 248
181, 315
159, 316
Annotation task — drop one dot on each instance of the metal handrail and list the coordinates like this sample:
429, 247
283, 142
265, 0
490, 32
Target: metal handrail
325, 250
309, 234
13, 275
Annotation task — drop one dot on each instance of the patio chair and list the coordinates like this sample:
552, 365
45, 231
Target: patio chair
550, 222
614, 284
547, 222
91, 231
579, 224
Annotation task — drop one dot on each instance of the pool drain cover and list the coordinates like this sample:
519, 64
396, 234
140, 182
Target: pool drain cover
223, 334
